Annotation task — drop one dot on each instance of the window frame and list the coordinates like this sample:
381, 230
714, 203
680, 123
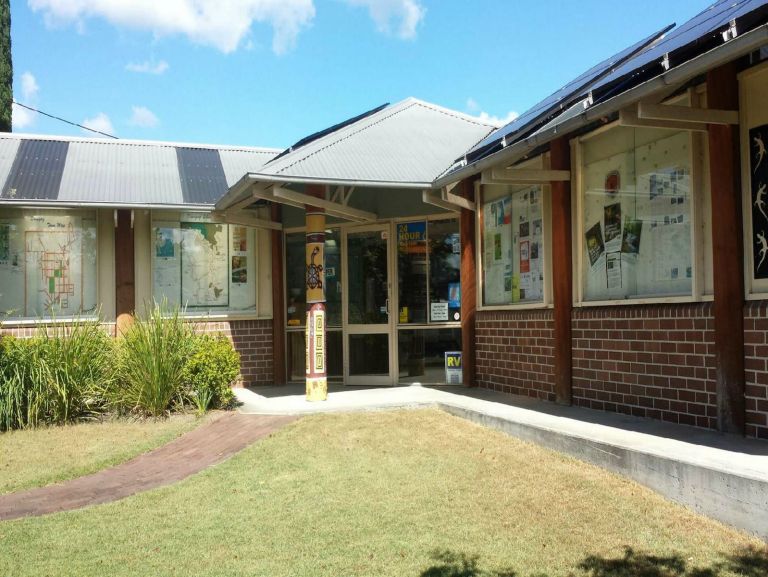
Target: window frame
64, 320
176, 215
699, 176
540, 162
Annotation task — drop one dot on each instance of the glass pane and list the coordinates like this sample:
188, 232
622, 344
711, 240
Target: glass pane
297, 355
422, 353
369, 354
637, 214
412, 271
513, 247
333, 277
444, 271
295, 282
367, 267
47, 263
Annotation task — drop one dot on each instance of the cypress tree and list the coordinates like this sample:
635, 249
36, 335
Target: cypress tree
6, 67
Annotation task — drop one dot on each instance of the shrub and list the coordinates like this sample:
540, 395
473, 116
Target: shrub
210, 371
153, 352
55, 377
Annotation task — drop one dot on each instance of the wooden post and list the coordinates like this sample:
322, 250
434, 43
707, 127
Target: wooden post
727, 253
468, 285
316, 359
562, 271
278, 302
125, 273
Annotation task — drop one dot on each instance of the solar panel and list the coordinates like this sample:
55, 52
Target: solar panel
563, 97
315, 136
700, 33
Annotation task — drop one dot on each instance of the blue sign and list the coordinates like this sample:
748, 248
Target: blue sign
412, 232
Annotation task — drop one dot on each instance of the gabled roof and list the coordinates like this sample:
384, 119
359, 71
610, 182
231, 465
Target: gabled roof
96, 171
408, 144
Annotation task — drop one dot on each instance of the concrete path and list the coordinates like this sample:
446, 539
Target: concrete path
725, 477
200, 448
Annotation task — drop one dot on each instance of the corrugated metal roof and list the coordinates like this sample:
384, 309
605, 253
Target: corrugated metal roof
117, 173
120, 172
8, 149
36, 171
409, 143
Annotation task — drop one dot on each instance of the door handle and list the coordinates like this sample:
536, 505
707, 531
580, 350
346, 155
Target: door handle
387, 305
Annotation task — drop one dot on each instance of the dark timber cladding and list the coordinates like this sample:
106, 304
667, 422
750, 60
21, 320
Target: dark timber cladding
468, 285
37, 170
562, 271
727, 257
202, 175
125, 285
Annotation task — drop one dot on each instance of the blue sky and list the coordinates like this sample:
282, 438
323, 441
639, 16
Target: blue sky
268, 72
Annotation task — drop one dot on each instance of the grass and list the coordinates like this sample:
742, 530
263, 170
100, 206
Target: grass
38, 457
403, 493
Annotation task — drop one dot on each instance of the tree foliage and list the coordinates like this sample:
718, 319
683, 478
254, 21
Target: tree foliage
6, 67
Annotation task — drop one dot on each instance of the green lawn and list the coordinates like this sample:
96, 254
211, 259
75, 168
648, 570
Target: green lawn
37, 457
408, 493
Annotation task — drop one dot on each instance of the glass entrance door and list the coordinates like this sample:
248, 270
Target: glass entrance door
368, 357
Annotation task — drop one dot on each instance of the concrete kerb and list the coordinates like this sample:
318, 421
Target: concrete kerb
729, 486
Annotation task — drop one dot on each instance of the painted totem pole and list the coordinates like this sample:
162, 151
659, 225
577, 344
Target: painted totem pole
317, 383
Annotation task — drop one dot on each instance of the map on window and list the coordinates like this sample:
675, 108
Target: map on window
54, 267
205, 264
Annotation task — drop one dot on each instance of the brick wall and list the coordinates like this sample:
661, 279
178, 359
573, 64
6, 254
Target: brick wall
756, 368
515, 352
652, 361
253, 340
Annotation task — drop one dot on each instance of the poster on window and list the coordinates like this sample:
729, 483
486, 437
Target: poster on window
595, 244
758, 139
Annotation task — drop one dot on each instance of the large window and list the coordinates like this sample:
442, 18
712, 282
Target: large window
203, 266
47, 263
429, 271
636, 214
513, 245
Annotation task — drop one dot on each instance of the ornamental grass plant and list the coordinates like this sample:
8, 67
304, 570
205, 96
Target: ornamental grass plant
56, 377
153, 353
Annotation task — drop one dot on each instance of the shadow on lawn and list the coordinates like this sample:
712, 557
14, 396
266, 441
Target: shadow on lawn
748, 562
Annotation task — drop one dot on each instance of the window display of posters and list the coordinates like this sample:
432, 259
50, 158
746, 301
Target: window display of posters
203, 265
47, 263
513, 257
497, 239
758, 139
637, 238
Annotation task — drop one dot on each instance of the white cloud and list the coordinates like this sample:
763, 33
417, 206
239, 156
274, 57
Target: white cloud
100, 122
22, 118
498, 120
148, 67
143, 117
223, 24
472, 105
29, 86
405, 14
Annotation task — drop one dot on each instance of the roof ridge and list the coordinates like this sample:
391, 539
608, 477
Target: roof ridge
400, 106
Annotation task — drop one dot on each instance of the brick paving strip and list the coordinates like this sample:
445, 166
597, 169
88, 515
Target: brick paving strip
177, 460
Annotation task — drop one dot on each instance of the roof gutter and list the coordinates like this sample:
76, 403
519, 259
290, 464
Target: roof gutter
737, 47
37, 203
260, 177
